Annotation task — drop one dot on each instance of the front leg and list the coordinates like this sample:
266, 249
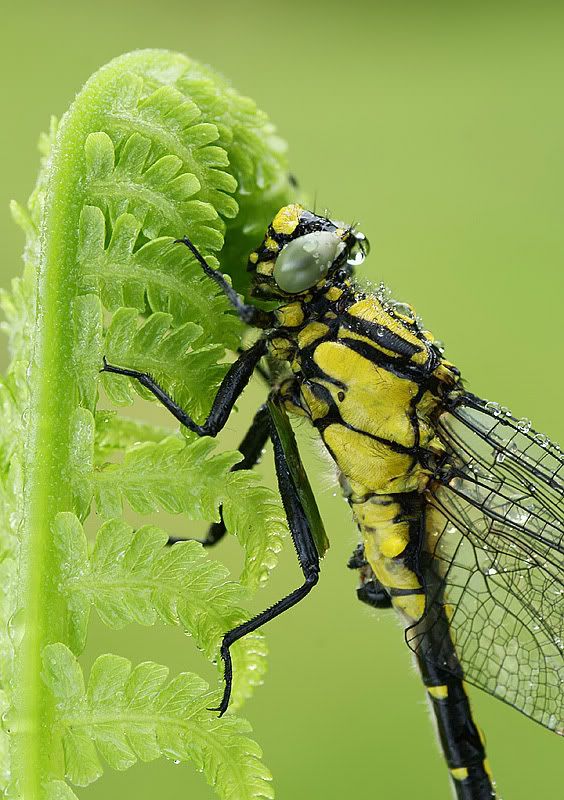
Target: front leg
230, 389
247, 313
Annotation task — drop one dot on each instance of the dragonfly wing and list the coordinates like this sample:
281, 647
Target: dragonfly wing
493, 558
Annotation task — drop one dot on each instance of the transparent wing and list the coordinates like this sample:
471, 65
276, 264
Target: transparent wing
493, 559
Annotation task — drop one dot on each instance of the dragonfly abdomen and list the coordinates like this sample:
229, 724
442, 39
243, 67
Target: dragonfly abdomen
390, 526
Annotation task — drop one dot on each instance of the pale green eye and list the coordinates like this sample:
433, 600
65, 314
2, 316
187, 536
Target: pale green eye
305, 260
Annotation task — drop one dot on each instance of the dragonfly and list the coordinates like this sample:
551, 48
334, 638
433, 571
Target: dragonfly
459, 504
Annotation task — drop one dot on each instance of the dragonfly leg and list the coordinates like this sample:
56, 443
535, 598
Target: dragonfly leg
230, 389
307, 556
251, 448
247, 313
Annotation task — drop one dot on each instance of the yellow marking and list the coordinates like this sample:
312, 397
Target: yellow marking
412, 605
372, 463
374, 517
339, 232
459, 773
445, 374
271, 244
286, 221
313, 331
427, 405
317, 408
265, 267
376, 401
253, 258
290, 316
396, 542
384, 540
393, 574
333, 293
420, 479
488, 769
282, 348
330, 315
290, 406
372, 310
438, 692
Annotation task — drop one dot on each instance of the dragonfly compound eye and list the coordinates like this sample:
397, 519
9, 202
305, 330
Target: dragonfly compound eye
305, 260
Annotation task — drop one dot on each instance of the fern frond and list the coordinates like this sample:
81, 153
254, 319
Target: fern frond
153, 148
115, 434
191, 374
128, 714
157, 274
133, 576
250, 523
59, 790
173, 475
188, 477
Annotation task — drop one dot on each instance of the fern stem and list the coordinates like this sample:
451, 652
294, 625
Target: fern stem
47, 461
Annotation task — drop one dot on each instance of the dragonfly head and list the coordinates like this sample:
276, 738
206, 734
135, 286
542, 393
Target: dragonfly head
302, 250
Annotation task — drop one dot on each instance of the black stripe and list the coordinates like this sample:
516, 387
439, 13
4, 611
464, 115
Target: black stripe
399, 367
381, 335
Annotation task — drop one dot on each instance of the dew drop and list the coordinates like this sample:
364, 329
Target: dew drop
495, 408
12, 791
524, 425
16, 627
405, 310
9, 720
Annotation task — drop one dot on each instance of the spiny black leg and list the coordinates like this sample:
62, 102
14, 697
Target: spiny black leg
307, 556
370, 590
230, 389
251, 448
252, 625
249, 314
262, 372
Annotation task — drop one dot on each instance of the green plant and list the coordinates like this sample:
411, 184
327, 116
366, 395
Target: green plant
154, 147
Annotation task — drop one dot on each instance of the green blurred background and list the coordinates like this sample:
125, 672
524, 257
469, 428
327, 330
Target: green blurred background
440, 128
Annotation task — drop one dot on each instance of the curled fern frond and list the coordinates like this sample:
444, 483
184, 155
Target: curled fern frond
153, 148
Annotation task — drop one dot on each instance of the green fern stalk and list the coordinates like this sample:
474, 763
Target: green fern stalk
154, 147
